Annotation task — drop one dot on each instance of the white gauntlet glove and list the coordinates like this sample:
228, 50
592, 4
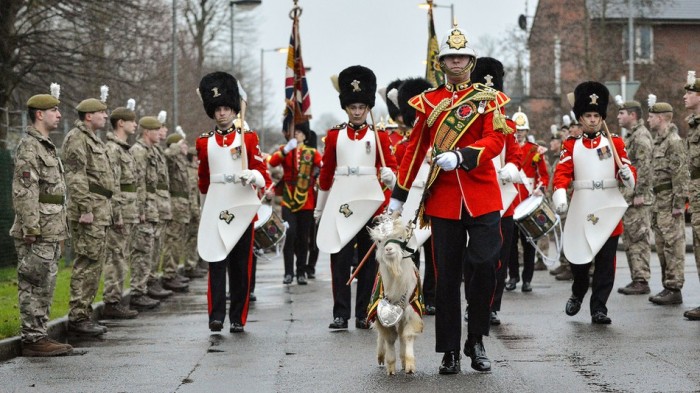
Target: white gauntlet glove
252, 176
448, 160
291, 145
509, 173
559, 200
626, 176
388, 177
395, 206
320, 204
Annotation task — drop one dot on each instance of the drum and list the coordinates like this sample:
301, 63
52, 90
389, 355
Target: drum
269, 228
535, 217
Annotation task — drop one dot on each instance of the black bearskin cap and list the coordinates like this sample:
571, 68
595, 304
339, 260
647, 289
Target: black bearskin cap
219, 89
393, 109
304, 128
357, 85
591, 96
486, 66
409, 89
312, 140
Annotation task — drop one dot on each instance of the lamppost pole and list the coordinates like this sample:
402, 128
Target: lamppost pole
233, 56
175, 92
261, 125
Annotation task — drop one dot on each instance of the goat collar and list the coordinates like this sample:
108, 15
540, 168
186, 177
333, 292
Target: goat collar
403, 245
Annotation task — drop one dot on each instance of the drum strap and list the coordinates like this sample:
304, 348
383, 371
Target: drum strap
297, 199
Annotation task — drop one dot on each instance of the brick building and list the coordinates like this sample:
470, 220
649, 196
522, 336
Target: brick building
572, 41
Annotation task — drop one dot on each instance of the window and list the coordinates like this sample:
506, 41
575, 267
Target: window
643, 44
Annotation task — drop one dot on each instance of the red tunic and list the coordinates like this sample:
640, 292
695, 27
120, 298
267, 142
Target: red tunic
475, 189
564, 173
513, 155
534, 166
290, 165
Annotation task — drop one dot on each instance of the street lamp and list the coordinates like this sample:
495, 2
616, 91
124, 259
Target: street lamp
433, 5
262, 91
231, 3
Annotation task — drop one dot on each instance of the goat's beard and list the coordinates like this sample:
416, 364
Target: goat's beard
393, 262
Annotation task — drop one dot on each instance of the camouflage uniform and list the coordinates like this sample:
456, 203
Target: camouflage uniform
694, 185
670, 186
637, 219
143, 233
164, 209
177, 228
193, 260
90, 182
38, 195
124, 205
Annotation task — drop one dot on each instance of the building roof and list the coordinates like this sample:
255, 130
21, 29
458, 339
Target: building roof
669, 10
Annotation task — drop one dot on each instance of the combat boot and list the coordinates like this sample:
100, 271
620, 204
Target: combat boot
175, 285
667, 297
557, 270
155, 290
45, 347
117, 311
195, 273
635, 288
693, 315
566, 275
143, 302
539, 265
85, 327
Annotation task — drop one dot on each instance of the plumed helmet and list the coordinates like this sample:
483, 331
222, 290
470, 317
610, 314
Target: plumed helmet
390, 105
455, 42
591, 96
357, 84
219, 89
521, 121
409, 89
488, 71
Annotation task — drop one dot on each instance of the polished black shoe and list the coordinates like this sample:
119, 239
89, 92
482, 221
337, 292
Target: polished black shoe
495, 321
430, 309
252, 297
361, 323
526, 286
236, 328
311, 275
600, 318
475, 350
216, 326
510, 285
301, 280
287, 279
450, 363
339, 323
573, 305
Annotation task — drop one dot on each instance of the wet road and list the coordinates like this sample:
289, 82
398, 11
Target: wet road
288, 347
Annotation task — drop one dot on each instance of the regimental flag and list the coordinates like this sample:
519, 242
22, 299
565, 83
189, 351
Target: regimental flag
432, 66
297, 99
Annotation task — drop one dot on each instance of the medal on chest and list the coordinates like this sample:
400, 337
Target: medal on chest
604, 152
236, 152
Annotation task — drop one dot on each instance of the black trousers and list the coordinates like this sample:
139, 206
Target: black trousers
238, 263
297, 239
482, 253
429, 276
528, 258
313, 250
340, 272
603, 276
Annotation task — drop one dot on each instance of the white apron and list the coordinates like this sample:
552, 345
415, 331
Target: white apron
508, 190
355, 194
410, 208
597, 205
229, 208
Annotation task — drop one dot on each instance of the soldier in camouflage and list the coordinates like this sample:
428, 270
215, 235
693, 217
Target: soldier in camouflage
38, 196
691, 100
637, 218
194, 266
116, 263
144, 292
670, 185
91, 184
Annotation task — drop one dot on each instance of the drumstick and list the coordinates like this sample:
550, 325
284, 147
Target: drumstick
612, 145
357, 269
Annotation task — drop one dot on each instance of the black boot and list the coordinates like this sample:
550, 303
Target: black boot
450, 363
474, 348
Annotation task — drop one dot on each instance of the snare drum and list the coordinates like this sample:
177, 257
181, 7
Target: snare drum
269, 228
534, 217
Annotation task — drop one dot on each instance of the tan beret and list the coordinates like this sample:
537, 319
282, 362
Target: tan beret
91, 105
173, 138
149, 123
42, 101
695, 86
631, 104
123, 113
661, 107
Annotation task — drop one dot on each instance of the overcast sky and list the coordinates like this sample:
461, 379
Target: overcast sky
388, 36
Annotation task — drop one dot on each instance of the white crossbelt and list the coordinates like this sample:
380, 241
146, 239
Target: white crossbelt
355, 170
594, 184
224, 178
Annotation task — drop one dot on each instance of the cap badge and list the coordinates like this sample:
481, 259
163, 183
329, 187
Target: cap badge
457, 40
215, 90
594, 99
355, 85
489, 80
520, 120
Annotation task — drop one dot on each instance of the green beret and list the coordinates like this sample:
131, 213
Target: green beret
661, 107
149, 123
91, 105
42, 101
694, 86
631, 104
173, 138
123, 113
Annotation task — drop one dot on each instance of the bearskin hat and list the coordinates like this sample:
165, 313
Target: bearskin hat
591, 96
219, 89
304, 128
357, 84
312, 139
489, 71
409, 89
393, 109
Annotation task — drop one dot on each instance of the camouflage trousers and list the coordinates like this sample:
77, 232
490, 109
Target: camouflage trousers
141, 250
36, 280
192, 260
669, 233
174, 241
695, 223
157, 255
116, 263
88, 245
637, 239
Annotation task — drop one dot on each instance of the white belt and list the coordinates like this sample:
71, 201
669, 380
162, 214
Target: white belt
594, 184
419, 184
224, 178
355, 170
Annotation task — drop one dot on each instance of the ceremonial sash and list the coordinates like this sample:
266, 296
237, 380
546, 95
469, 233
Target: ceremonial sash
297, 200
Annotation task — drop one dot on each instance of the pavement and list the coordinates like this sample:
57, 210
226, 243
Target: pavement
287, 346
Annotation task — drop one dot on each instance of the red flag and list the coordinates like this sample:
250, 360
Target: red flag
432, 66
297, 99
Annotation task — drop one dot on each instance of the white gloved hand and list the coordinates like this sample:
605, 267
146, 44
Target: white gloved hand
626, 175
252, 176
395, 206
388, 177
291, 145
509, 173
320, 204
559, 200
448, 160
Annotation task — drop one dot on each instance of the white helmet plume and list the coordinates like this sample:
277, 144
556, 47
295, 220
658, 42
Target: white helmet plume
619, 101
651, 100
162, 116
104, 92
55, 90
131, 104
566, 120
691, 78
178, 130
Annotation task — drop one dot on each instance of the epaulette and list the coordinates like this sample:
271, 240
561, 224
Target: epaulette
339, 126
485, 93
574, 137
615, 135
418, 102
206, 134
